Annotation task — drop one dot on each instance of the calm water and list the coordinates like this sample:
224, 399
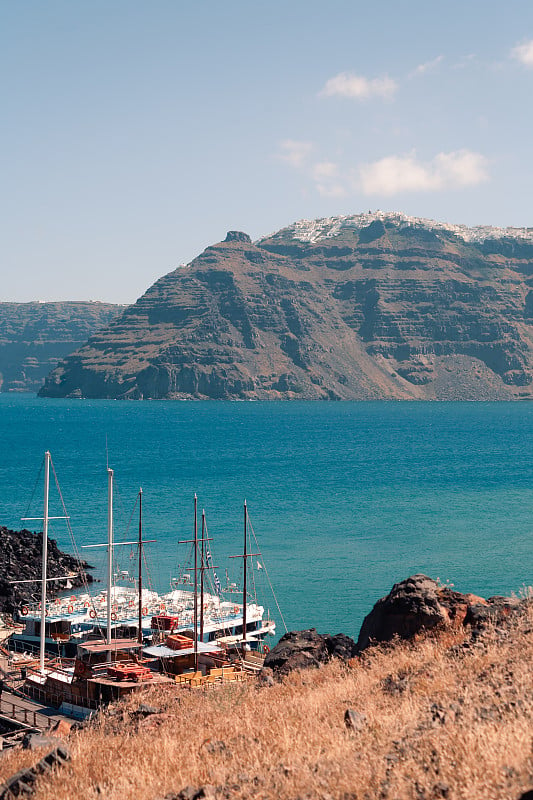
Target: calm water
345, 498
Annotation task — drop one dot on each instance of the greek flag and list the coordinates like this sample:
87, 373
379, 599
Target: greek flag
209, 560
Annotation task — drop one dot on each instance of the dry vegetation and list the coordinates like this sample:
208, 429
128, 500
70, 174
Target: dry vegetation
445, 717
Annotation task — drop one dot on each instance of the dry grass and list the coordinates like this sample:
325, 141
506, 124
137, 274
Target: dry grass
442, 720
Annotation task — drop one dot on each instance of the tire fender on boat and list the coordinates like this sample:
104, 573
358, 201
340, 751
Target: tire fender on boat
145, 612
24, 611
114, 616
70, 609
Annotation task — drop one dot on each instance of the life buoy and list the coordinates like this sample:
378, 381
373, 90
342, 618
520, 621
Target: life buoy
70, 609
24, 611
92, 613
235, 609
131, 604
162, 607
266, 649
114, 616
145, 612
86, 604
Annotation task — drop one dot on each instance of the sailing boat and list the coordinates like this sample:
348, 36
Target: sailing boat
46, 631
207, 617
103, 669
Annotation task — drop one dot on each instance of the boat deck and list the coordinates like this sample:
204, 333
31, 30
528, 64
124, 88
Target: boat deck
156, 679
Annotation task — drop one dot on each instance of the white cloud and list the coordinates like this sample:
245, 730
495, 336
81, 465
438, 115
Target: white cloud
395, 174
327, 178
324, 170
346, 84
295, 152
524, 53
427, 66
465, 61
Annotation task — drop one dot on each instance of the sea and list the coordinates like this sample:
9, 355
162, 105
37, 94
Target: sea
344, 499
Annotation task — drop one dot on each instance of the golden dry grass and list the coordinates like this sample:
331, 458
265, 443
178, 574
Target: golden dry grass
441, 721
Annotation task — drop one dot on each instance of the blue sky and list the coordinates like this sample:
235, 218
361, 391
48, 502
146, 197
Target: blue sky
135, 134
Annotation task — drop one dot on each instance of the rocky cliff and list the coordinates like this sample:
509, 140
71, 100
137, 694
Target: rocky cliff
34, 337
20, 560
365, 307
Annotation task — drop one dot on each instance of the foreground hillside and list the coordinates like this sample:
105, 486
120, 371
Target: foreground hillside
374, 306
35, 336
447, 714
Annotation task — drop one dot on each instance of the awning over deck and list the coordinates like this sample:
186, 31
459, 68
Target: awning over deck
162, 651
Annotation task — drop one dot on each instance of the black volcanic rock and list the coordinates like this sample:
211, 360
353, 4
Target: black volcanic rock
20, 559
304, 649
367, 307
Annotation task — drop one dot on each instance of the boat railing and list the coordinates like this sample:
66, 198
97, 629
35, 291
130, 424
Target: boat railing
56, 700
29, 716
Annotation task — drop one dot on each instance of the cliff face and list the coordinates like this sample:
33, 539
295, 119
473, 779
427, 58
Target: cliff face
34, 337
367, 307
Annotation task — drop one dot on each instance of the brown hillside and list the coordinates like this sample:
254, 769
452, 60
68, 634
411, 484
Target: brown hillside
444, 716
385, 310
34, 337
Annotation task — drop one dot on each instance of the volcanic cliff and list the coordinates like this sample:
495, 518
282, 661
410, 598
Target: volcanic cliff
373, 306
35, 336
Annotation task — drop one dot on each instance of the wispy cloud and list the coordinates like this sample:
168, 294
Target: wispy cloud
427, 66
328, 179
395, 174
465, 61
346, 84
295, 152
524, 53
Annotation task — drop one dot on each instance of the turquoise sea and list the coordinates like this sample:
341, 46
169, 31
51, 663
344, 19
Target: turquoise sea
345, 498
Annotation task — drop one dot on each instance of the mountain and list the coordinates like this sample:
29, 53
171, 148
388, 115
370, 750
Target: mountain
34, 337
370, 306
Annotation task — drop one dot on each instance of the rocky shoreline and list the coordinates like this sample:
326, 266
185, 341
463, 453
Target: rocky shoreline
414, 606
21, 560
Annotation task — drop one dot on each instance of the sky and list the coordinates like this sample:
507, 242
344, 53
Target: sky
135, 134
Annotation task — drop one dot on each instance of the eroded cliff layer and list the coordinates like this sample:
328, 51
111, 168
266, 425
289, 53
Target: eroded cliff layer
364, 307
34, 337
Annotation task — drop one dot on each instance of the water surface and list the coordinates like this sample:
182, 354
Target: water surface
345, 498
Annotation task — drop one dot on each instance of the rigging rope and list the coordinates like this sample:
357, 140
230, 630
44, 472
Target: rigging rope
34, 488
81, 574
268, 578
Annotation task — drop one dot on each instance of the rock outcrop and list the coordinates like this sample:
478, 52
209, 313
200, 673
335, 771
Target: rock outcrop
20, 559
34, 337
374, 306
303, 649
413, 606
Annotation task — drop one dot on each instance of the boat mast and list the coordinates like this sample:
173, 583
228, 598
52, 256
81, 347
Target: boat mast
109, 549
202, 568
140, 635
47, 458
195, 583
245, 568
